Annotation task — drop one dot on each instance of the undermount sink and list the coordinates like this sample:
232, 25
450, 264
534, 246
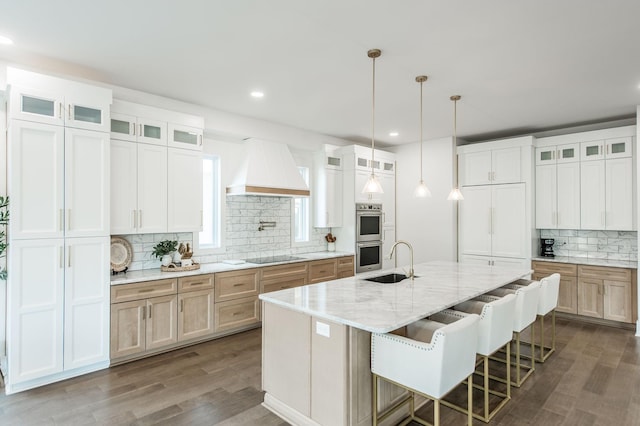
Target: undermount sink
388, 278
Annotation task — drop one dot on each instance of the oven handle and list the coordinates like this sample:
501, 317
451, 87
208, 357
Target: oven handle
370, 244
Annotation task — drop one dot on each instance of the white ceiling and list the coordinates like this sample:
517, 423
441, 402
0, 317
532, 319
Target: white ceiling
520, 66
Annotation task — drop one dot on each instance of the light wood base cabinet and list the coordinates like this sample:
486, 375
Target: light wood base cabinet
323, 270
568, 293
602, 292
195, 307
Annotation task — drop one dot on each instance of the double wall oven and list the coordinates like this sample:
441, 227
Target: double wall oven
368, 237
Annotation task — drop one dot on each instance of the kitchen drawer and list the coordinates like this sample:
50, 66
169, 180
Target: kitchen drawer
345, 266
284, 271
236, 284
604, 273
196, 282
323, 270
143, 290
548, 268
236, 313
291, 281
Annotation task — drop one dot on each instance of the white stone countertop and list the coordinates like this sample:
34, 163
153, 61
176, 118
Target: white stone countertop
589, 261
210, 268
381, 308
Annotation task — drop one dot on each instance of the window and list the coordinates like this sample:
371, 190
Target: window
210, 235
301, 212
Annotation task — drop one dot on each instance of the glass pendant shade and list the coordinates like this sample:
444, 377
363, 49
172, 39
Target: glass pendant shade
421, 190
455, 195
372, 186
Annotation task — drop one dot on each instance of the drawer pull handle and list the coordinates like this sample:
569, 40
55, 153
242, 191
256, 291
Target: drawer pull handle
198, 283
145, 290
237, 313
238, 285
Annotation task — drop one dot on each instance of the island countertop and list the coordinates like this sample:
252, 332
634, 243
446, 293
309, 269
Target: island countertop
381, 308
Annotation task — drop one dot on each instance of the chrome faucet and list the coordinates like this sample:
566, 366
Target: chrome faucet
410, 249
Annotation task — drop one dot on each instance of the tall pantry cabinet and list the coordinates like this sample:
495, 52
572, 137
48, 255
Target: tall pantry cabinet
58, 256
495, 217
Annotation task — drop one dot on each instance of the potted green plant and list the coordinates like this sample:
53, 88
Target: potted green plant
163, 251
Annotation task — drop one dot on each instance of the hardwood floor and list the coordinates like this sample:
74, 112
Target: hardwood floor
592, 379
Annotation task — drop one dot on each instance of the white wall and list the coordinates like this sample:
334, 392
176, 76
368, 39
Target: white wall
428, 224
638, 198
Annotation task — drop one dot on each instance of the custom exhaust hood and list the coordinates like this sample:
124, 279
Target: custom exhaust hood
268, 170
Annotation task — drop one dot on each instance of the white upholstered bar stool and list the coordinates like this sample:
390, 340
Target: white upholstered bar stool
430, 369
549, 290
495, 330
525, 315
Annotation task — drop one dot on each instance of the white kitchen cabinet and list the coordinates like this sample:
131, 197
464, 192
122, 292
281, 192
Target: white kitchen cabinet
86, 180
607, 194
54, 107
508, 262
184, 201
152, 188
58, 181
60, 311
493, 221
124, 188
361, 178
619, 194
35, 309
606, 149
327, 190
495, 166
388, 239
86, 310
36, 180
185, 137
388, 182
558, 196
557, 154
138, 129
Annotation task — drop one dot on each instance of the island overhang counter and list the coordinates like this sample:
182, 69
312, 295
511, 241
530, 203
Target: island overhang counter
316, 338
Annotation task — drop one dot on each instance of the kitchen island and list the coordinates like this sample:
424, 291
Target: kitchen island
316, 338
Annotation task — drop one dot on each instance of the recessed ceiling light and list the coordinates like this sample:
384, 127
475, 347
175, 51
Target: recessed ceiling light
393, 134
257, 94
5, 40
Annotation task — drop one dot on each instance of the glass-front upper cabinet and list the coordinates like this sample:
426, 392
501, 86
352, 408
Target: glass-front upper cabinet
185, 137
618, 147
127, 127
592, 150
36, 105
568, 153
123, 127
151, 131
84, 115
546, 155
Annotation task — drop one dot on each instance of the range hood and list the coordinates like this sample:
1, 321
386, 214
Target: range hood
268, 170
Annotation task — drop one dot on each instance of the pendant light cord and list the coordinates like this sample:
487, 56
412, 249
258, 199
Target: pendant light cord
421, 115
373, 113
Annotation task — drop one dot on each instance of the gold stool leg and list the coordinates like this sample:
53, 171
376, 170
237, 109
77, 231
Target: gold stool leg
374, 399
470, 394
518, 359
541, 338
486, 386
509, 370
436, 412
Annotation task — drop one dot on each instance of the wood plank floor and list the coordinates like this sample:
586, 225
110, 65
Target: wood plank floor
593, 379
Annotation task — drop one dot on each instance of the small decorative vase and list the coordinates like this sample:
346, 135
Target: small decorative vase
166, 260
177, 257
331, 246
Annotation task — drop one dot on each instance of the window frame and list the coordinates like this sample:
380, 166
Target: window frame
217, 246
303, 161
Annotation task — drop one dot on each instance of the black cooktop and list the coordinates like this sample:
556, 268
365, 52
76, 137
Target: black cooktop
273, 259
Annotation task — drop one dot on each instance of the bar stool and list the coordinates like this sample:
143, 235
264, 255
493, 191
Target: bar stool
430, 369
549, 290
525, 315
495, 329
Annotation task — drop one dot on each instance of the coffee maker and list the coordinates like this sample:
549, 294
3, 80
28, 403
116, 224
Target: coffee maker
546, 247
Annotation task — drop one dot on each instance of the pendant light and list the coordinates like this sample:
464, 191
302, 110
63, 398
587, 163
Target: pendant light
455, 194
373, 184
421, 191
